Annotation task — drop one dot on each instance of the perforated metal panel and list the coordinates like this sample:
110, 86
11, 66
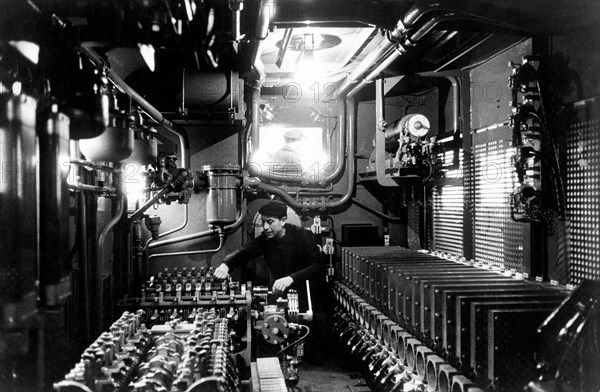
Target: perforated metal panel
583, 200
448, 205
497, 238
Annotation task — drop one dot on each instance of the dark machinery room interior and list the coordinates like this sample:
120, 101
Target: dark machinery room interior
299, 195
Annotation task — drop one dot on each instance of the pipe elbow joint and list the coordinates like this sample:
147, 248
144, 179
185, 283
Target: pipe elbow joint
252, 182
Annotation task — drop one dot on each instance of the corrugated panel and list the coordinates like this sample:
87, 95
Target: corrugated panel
497, 238
583, 200
448, 212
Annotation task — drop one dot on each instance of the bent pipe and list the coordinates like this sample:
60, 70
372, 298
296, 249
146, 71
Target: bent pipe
99, 267
192, 252
228, 229
180, 227
144, 105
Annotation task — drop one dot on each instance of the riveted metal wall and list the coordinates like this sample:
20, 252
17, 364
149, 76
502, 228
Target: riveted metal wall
448, 202
497, 238
583, 199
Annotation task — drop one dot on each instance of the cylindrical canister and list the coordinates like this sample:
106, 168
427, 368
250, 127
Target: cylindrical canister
221, 202
18, 198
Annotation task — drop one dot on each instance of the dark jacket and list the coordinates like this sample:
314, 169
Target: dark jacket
295, 254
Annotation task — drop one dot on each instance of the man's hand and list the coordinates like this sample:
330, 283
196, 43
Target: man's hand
281, 284
221, 272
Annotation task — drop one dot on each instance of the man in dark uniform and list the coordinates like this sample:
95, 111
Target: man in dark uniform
292, 257
288, 153
290, 252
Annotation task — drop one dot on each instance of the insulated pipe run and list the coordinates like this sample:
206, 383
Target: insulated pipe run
192, 252
144, 105
392, 37
381, 54
99, 267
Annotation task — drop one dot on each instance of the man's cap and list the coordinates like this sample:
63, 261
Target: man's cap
274, 208
293, 135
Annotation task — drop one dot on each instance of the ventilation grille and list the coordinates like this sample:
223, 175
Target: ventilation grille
583, 200
448, 204
497, 238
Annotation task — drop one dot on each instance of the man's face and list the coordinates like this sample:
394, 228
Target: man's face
273, 227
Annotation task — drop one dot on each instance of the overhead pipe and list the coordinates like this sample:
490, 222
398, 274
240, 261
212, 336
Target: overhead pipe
143, 104
399, 35
180, 227
392, 37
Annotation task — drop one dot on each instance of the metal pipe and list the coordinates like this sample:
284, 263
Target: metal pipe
257, 77
192, 252
358, 72
99, 267
226, 229
420, 9
84, 261
455, 103
464, 52
392, 37
140, 211
381, 53
459, 15
143, 104
93, 165
378, 213
76, 186
180, 227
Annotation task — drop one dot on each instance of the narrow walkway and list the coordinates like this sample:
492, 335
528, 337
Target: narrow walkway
336, 374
